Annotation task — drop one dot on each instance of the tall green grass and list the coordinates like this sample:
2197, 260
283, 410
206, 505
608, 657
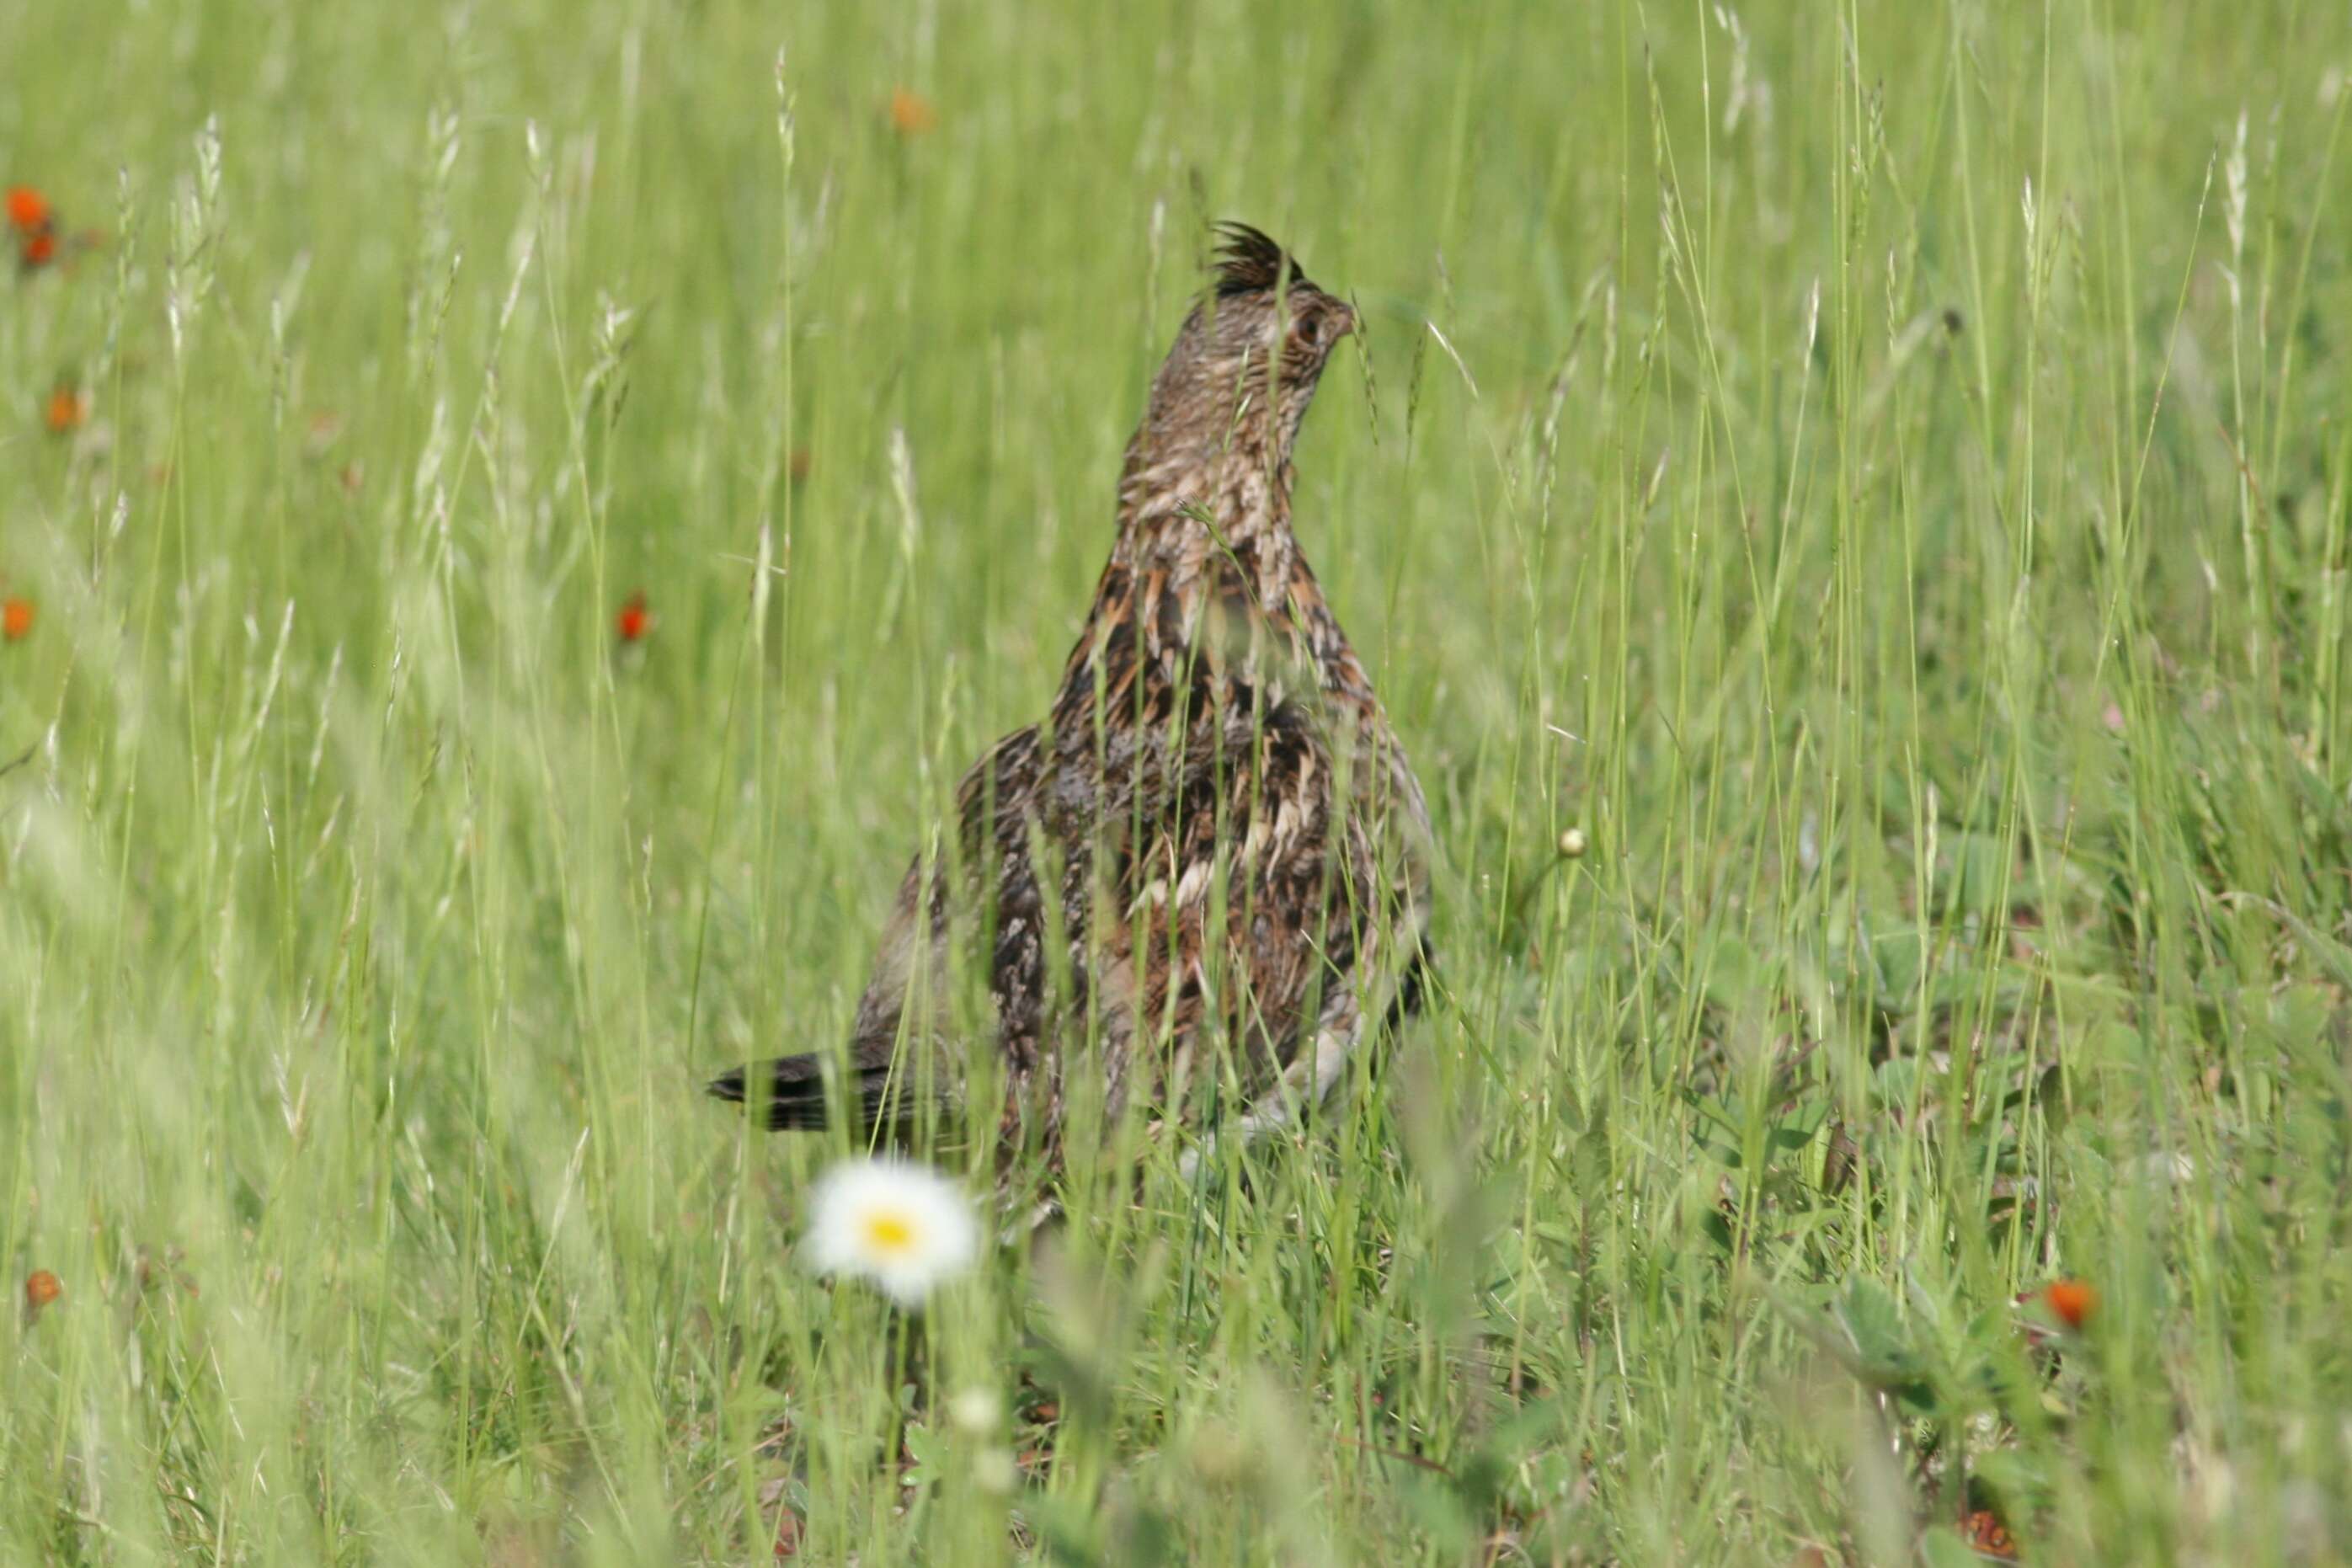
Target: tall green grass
1878, 473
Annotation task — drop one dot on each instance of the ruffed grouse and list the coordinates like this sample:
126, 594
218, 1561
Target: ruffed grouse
1204, 876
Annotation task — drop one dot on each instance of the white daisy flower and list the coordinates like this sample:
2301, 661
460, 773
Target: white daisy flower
903, 1226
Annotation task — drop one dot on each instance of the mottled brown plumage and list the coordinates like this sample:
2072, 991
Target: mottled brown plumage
1204, 871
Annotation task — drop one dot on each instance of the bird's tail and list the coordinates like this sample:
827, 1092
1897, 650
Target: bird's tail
790, 1092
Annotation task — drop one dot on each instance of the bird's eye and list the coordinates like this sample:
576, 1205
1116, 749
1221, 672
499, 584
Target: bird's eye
1310, 331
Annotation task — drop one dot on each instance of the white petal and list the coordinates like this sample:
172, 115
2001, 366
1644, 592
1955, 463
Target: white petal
944, 1238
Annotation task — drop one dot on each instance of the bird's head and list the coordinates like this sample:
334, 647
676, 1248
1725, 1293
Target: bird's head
1245, 367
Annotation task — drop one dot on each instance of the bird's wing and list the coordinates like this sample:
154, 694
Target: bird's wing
1204, 911
1246, 900
983, 882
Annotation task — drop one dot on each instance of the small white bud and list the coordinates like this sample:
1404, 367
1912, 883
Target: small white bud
974, 1411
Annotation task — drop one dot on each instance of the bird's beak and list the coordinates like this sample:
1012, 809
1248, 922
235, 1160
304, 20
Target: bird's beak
1343, 319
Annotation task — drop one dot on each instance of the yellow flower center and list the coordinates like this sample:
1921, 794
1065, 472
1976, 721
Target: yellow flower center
888, 1232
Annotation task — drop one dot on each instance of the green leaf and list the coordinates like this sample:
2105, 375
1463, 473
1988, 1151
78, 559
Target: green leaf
1944, 1547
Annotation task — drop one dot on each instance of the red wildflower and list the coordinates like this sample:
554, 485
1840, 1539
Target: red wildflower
41, 1288
635, 620
2071, 1301
15, 625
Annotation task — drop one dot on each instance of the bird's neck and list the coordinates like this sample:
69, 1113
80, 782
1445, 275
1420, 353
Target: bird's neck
1220, 518
1204, 560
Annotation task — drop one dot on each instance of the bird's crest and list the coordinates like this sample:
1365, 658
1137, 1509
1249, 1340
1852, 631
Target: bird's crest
1248, 261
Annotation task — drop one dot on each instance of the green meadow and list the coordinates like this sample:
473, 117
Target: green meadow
1847, 507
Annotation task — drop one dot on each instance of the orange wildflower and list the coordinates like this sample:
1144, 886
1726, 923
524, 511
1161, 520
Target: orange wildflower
15, 625
635, 620
36, 223
68, 408
1988, 1537
2071, 1301
28, 209
910, 112
41, 1288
